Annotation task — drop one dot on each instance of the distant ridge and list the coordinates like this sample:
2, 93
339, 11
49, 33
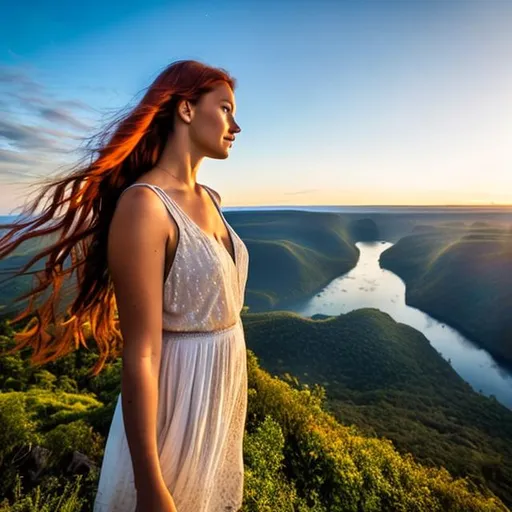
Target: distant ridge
355, 206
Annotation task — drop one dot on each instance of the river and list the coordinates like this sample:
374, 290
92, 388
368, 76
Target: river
369, 285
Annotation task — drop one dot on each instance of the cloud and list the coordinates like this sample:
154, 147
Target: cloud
30, 138
22, 94
11, 75
25, 167
24, 175
14, 157
23, 136
77, 104
36, 103
38, 129
60, 115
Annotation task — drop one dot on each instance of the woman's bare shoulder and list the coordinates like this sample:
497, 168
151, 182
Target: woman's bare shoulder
136, 259
140, 203
139, 213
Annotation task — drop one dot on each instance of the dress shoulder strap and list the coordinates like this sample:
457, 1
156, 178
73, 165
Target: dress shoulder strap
212, 194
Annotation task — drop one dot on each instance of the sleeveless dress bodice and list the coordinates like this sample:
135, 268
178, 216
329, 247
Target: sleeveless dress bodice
204, 289
202, 386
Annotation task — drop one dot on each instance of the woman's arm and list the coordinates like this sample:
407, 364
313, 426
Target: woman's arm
136, 258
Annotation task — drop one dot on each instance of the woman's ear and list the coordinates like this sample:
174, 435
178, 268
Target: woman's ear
185, 111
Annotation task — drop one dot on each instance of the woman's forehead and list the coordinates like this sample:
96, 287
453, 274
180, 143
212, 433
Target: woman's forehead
222, 94
223, 90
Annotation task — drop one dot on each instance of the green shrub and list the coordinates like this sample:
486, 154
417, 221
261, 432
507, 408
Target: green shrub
53, 498
266, 487
345, 470
43, 379
16, 426
66, 438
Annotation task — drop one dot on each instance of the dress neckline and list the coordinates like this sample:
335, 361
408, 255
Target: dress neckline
232, 258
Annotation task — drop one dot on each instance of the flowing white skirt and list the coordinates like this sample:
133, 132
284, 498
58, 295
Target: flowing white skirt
201, 422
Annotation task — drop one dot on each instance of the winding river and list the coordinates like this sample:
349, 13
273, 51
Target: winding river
369, 285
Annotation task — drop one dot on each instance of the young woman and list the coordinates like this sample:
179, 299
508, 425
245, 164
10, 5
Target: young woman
146, 237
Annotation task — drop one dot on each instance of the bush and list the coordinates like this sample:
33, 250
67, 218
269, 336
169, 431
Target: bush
16, 426
346, 471
66, 438
53, 498
266, 487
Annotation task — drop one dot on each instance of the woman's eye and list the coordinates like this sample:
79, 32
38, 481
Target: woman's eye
225, 107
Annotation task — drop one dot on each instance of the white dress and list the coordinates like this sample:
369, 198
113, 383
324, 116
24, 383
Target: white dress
202, 400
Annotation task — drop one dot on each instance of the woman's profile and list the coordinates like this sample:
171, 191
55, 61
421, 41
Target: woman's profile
146, 239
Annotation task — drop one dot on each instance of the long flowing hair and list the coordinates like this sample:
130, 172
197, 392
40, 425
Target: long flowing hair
129, 146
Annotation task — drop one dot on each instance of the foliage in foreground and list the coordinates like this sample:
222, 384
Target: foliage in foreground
297, 457
333, 466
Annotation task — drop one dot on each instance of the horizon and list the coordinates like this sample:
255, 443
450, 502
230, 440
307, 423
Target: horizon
413, 106
404, 206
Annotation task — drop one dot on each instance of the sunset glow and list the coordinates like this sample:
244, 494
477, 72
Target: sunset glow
350, 103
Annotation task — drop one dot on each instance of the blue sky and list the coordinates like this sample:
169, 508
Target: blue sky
340, 102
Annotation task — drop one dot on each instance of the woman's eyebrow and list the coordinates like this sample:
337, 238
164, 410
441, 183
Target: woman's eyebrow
229, 101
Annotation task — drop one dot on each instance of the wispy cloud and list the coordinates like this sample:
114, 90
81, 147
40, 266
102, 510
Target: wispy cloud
18, 78
38, 129
32, 138
37, 103
60, 115
14, 157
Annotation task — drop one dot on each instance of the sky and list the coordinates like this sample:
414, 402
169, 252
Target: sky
340, 102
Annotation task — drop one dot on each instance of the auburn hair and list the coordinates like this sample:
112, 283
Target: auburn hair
126, 148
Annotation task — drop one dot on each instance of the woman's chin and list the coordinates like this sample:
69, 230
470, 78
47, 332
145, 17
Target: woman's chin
225, 153
219, 154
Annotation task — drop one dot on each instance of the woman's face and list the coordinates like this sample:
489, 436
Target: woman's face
213, 122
